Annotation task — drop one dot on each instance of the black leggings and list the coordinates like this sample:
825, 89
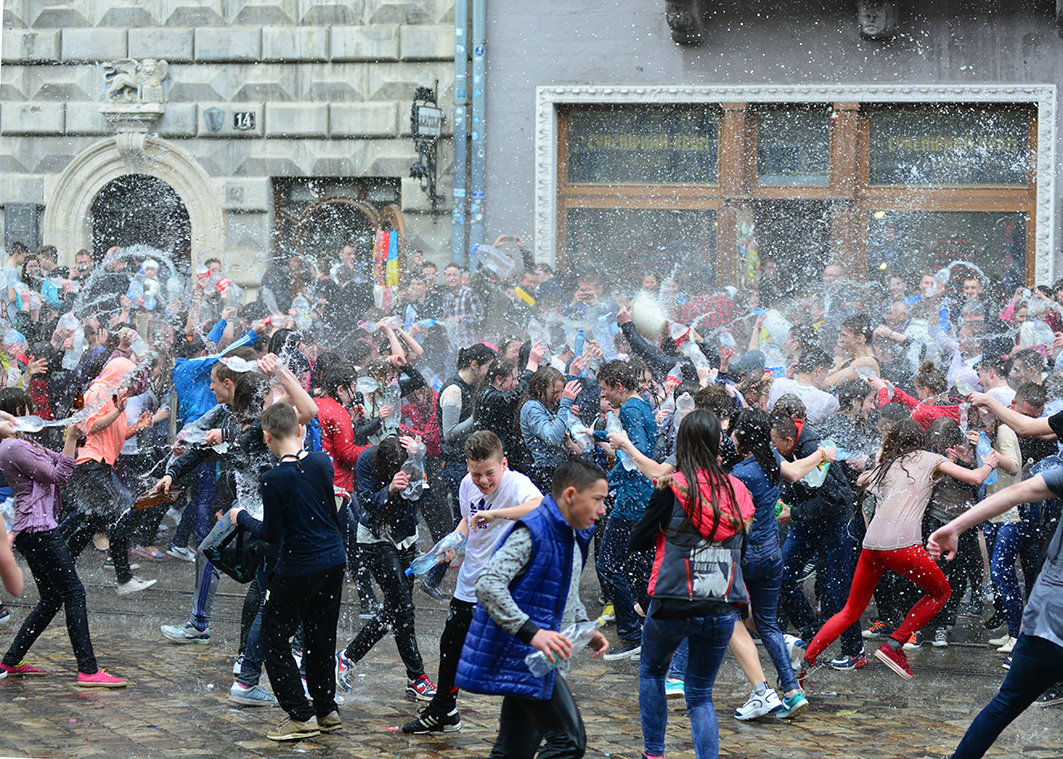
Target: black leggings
459, 617
59, 586
525, 722
388, 565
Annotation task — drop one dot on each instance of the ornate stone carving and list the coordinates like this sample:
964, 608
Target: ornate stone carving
1043, 96
877, 18
130, 81
687, 21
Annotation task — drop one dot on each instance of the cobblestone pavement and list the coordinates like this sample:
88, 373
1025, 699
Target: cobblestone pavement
177, 707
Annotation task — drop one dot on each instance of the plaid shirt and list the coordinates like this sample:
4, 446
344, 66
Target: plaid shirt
718, 309
463, 304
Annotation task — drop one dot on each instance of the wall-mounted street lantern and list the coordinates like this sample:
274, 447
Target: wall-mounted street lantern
426, 122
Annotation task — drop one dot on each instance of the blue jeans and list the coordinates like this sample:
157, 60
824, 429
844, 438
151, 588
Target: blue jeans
251, 666
708, 638
1036, 664
626, 574
1004, 542
832, 547
198, 516
762, 570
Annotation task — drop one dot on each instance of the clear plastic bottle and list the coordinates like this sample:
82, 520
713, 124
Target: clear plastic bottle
72, 355
578, 633
583, 435
676, 373
414, 468
426, 561
684, 404
392, 398
817, 476
613, 425
301, 305
985, 445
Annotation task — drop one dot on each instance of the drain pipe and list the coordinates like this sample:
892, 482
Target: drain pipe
479, 123
461, 150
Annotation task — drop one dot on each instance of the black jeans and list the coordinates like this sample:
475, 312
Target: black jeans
99, 503
957, 572
525, 722
314, 601
459, 617
356, 566
58, 584
1036, 664
388, 567
437, 515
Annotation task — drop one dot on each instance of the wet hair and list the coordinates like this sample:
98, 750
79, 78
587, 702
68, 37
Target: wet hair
904, 437
1033, 394
480, 353
500, 369
714, 398
752, 428
390, 456
639, 367
859, 324
342, 375
538, 386
575, 473
893, 412
791, 405
943, 434
224, 373
697, 451
15, 401
803, 335
1031, 359
617, 372
930, 377
324, 364
483, 445
281, 421
812, 357
783, 424
851, 390
994, 362
248, 393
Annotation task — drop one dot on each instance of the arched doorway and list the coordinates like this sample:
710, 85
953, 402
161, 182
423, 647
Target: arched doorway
138, 209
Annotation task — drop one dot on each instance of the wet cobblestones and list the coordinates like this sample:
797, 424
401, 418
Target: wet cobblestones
176, 705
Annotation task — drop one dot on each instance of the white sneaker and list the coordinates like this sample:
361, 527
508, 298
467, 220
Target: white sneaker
1008, 646
758, 706
941, 638
238, 664
796, 648
999, 641
183, 554
134, 586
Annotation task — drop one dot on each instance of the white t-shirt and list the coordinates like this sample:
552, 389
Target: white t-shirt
513, 490
819, 404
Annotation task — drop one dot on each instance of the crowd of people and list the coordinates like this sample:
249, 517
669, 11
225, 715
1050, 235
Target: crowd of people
737, 465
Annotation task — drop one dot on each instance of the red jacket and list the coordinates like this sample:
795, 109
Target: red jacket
923, 413
337, 440
423, 422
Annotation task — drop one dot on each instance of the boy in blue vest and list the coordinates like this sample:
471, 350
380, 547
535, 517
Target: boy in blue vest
527, 592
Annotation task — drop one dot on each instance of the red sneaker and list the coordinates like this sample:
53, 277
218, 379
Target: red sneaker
420, 689
895, 660
100, 679
23, 670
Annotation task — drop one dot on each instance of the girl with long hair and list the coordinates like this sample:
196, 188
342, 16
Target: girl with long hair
696, 523
545, 413
901, 483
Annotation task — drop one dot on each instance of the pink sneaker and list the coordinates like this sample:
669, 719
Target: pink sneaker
100, 680
23, 670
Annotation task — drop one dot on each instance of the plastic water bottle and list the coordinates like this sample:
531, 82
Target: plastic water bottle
678, 332
613, 425
135, 290
985, 445
414, 468
684, 404
426, 561
72, 356
392, 398
579, 634
727, 340
500, 263
7, 511
676, 373
668, 405
302, 312
817, 476
32, 423
692, 351
603, 333
577, 345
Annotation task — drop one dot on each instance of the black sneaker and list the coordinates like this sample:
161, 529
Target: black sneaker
434, 591
430, 722
1051, 697
995, 621
975, 607
625, 650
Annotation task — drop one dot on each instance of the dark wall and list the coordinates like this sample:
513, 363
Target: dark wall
566, 42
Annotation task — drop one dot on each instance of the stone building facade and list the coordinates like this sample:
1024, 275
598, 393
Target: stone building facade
269, 112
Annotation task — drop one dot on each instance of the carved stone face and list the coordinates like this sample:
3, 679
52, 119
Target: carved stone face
877, 18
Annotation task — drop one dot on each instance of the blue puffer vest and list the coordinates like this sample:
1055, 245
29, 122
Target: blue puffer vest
492, 660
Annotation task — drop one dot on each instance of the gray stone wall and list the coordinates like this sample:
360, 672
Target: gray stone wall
783, 42
330, 83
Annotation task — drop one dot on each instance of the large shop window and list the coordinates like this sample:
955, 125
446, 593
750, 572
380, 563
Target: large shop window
879, 189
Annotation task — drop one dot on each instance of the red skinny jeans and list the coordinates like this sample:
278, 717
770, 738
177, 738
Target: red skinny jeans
912, 562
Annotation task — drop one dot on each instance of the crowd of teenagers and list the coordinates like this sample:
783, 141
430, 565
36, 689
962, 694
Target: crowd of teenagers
737, 466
